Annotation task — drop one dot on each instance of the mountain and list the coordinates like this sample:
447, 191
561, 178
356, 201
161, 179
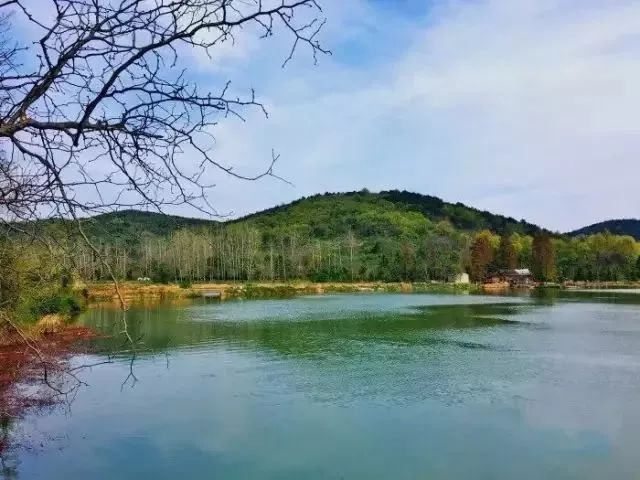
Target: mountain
387, 236
618, 227
337, 212
323, 216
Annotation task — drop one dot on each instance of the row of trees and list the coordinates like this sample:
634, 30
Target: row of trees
599, 257
99, 111
242, 252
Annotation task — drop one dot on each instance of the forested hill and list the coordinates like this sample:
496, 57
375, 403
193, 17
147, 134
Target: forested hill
331, 213
127, 226
388, 236
322, 216
617, 227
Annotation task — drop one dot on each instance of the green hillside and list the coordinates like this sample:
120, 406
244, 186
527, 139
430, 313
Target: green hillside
384, 213
629, 227
122, 227
387, 214
387, 236
129, 225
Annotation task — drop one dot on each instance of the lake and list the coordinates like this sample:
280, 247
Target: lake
371, 386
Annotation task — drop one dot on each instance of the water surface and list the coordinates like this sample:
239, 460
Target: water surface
357, 387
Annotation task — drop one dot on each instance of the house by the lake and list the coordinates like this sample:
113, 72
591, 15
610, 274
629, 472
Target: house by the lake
519, 277
516, 278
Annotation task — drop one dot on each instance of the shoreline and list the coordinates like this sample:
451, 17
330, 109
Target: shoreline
136, 292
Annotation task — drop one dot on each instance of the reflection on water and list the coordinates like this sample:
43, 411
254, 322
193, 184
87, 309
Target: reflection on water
309, 333
359, 386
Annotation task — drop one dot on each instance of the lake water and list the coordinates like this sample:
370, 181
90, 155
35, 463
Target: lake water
356, 387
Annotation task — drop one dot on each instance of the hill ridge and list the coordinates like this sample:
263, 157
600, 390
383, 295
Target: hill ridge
618, 226
434, 209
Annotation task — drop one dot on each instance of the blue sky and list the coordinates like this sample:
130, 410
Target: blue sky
523, 107
527, 108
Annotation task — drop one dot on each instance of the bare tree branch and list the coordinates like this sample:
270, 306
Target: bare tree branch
98, 112
100, 100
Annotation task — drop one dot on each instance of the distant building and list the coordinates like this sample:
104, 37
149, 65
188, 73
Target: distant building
460, 279
520, 277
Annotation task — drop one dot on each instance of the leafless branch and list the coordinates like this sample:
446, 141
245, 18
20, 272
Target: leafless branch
100, 100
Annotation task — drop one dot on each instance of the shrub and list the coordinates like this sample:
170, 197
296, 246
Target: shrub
56, 303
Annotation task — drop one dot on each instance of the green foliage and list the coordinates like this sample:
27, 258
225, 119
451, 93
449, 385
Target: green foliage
257, 291
54, 303
459, 215
131, 227
160, 273
359, 236
184, 283
507, 258
628, 227
9, 277
601, 257
34, 282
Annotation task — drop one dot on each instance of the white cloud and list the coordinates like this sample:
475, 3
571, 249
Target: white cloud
524, 107
527, 108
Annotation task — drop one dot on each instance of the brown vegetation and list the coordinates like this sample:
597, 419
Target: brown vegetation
136, 293
35, 366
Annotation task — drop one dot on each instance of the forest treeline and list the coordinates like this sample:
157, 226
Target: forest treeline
355, 237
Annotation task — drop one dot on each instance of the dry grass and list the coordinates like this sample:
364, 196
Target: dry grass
49, 324
149, 293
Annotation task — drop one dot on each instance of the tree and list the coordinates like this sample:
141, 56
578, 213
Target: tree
441, 256
544, 258
507, 253
99, 100
98, 112
352, 244
482, 254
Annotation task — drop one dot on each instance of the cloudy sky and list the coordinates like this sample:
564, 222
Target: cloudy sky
529, 108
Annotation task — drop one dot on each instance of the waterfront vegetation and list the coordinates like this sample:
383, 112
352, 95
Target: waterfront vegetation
109, 118
348, 238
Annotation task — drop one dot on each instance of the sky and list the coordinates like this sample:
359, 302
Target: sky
527, 108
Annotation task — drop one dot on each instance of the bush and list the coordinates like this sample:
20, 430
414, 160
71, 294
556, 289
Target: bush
184, 283
162, 275
62, 304
268, 291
